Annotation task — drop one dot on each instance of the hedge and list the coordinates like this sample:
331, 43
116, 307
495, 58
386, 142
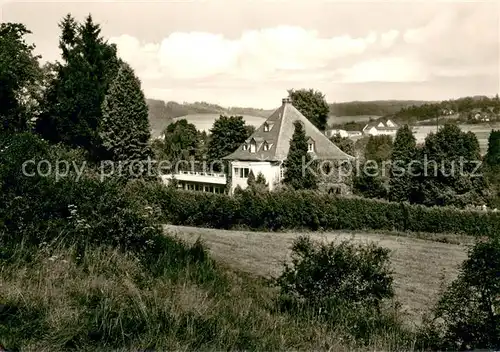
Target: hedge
311, 210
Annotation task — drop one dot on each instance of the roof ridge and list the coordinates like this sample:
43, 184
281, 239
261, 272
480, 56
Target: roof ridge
281, 117
321, 134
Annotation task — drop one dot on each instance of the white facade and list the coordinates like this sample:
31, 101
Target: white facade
198, 181
342, 133
378, 132
380, 128
241, 169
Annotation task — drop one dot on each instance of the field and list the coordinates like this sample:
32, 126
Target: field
332, 119
481, 131
420, 266
204, 122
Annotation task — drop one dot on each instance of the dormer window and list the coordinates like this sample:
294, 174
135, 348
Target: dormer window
310, 145
253, 146
266, 127
245, 146
266, 146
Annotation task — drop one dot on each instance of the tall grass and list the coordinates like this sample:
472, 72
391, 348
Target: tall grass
109, 300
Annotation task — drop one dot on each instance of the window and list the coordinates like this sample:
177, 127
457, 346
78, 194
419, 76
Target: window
241, 172
282, 172
245, 146
267, 127
310, 147
266, 146
244, 172
253, 147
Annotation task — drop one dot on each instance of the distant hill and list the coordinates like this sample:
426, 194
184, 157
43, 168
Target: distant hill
204, 122
162, 113
346, 115
373, 108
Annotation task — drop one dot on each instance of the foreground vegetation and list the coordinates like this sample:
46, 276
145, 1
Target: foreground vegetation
85, 265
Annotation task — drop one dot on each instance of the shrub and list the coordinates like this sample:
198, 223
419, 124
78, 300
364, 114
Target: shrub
467, 315
83, 212
345, 285
344, 272
310, 210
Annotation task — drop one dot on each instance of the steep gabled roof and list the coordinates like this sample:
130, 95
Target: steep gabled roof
376, 123
282, 127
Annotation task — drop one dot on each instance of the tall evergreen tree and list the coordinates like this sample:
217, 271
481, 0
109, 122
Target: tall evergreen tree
403, 153
312, 104
296, 160
124, 127
73, 101
492, 158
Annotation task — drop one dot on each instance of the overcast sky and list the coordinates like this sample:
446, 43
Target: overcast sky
248, 53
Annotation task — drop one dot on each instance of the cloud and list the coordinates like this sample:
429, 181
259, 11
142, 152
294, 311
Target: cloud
387, 39
254, 55
385, 69
447, 42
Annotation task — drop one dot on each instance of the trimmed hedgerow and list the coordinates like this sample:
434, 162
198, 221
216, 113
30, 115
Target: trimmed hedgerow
305, 209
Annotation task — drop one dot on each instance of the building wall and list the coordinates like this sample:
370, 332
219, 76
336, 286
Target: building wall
376, 132
270, 170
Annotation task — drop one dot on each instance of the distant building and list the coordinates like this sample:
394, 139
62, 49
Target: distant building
380, 127
265, 151
334, 132
354, 134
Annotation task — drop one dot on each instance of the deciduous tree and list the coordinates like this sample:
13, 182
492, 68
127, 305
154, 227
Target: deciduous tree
19, 74
227, 134
312, 104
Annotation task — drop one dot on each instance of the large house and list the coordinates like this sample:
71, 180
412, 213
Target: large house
380, 127
265, 151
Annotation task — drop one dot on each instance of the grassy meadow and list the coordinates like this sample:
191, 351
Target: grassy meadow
107, 300
421, 267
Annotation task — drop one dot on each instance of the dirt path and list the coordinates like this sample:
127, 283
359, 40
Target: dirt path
420, 266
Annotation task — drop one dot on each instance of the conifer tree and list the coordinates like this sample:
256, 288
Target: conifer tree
493, 155
72, 104
403, 153
251, 179
124, 127
298, 157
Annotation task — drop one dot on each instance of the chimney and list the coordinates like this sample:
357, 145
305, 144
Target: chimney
286, 101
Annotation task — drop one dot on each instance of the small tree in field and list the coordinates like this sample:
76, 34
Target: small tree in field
298, 156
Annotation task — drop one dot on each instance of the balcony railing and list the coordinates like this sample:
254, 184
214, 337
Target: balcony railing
199, 173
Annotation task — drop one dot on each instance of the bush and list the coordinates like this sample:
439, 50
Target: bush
346, 285
75, 211
344, 273
310, 210
468, 314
